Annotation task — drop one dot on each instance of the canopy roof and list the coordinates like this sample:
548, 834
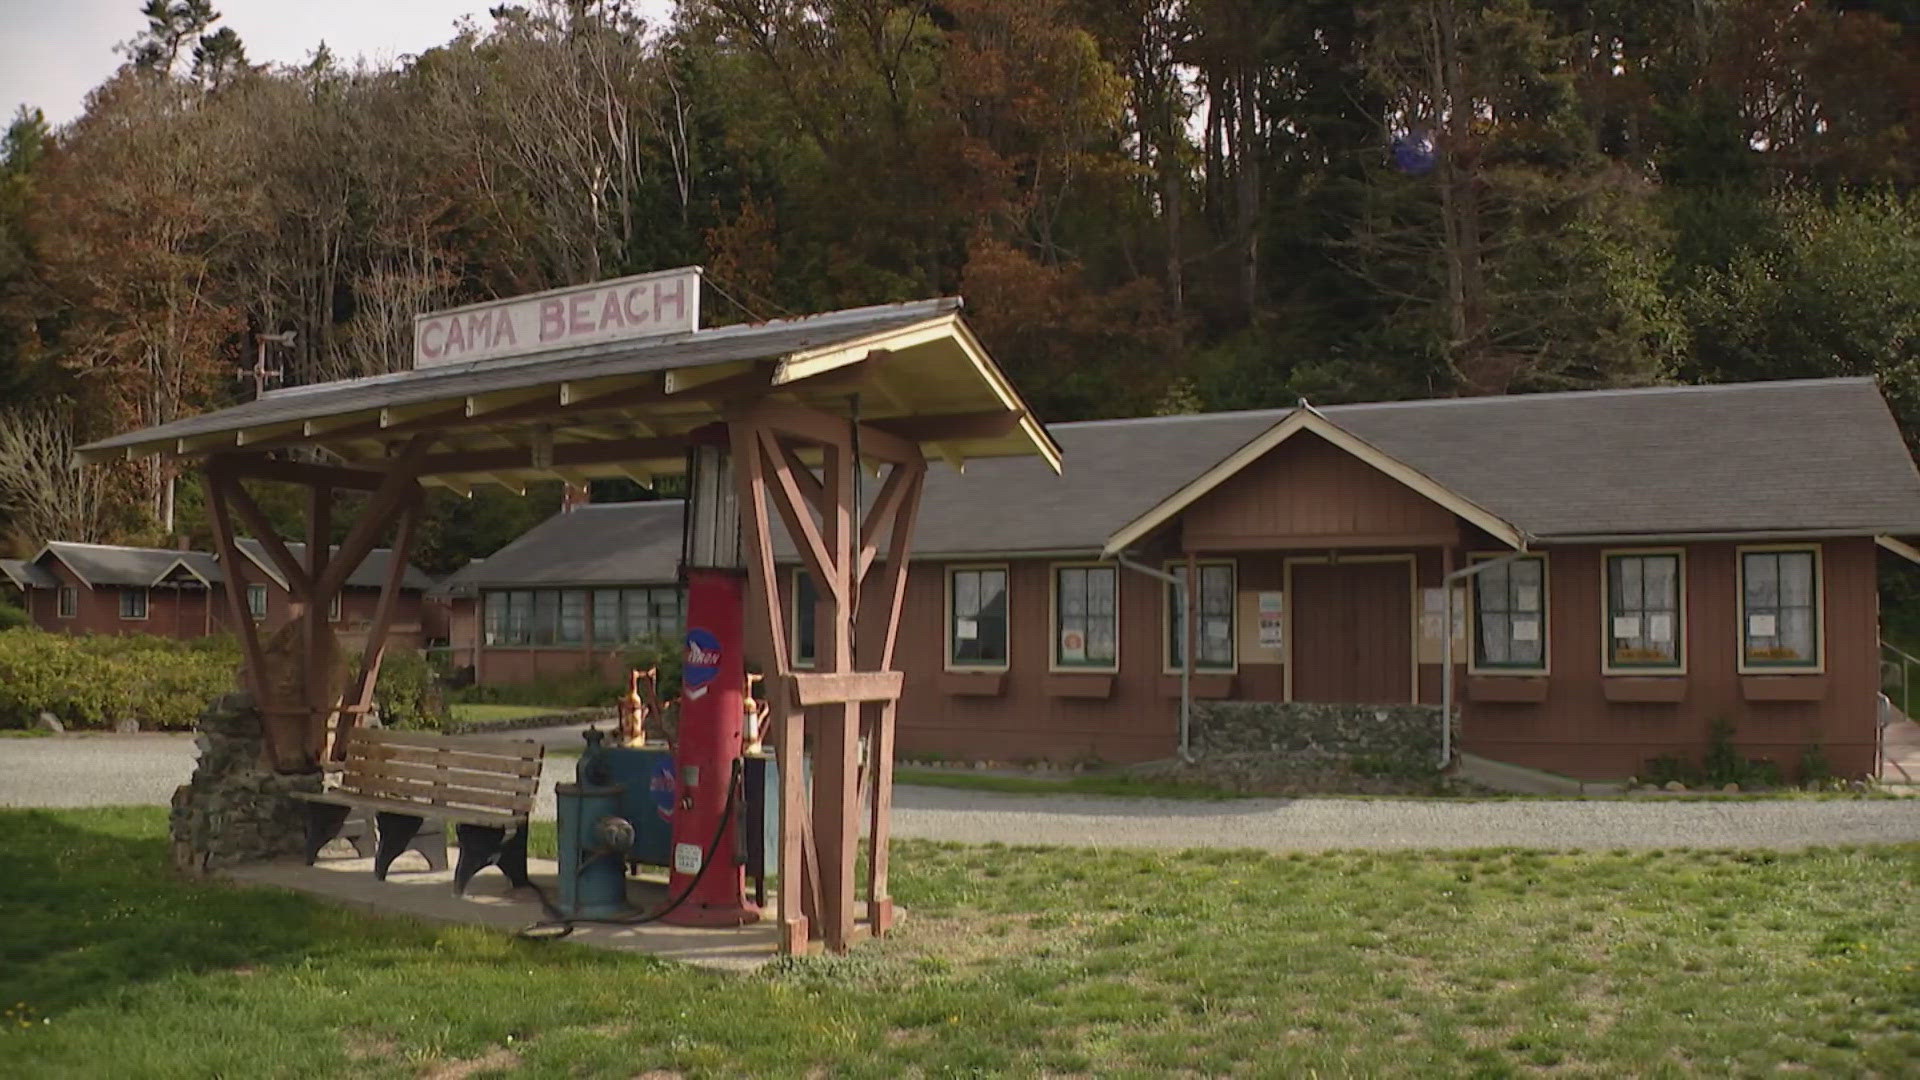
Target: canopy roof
914, 370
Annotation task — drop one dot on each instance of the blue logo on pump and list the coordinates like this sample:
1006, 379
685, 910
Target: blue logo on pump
701, 664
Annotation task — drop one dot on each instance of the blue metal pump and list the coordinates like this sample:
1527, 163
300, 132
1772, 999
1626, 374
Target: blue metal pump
594, 839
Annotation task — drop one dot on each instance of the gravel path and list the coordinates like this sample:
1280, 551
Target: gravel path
99, 770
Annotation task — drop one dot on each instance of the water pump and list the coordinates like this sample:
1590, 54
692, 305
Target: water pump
594, 839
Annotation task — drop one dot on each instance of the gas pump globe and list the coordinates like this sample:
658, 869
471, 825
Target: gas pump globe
707, 862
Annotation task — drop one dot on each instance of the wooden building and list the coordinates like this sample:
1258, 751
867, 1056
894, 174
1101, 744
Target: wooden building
1664, 558
111, 589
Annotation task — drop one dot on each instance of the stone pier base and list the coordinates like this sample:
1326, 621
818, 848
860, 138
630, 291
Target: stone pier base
235, 810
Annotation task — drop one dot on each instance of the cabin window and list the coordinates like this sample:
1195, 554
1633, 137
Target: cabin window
495, 615
801, 632
606, 616
1646, 622
69, 600
519, 618
333, 609
573, 617
1510, 615
1084, 621
977, 617
546, 618
1780, 608
257, 601
133, 603
1213, 604
650, 613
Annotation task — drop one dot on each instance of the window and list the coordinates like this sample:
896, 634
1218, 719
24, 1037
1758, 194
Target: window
69, 599
257, 601
802, 630
977, 617
519, 618
651, 612
606, 616
1084, 626
496, 618
573, 617
1645, 620
1214, 604
1509, 616
546, 618
333, 609
1780, 608
133, 603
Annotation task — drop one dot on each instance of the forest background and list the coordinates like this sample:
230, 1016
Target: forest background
1150, 206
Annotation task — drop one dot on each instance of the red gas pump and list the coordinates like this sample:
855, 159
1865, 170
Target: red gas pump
708, 763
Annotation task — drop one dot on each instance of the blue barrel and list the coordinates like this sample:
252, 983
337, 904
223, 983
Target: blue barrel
593, 874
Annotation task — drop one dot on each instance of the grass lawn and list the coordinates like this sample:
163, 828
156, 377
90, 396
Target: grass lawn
1011, 960
470, 713
1085, 784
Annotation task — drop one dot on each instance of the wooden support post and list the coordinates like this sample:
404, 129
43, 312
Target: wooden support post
401, 487
297, 581
359, 696
883, 716
316, 636
253, 666
836, 762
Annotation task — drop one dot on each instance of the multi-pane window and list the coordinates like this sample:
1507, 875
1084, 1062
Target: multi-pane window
1213, 604
977, 625
1084, 632
257, 601
1509, 615
69, 597
1645, 621
133, 603
564, 616
1780, 608
573, 617
804, 601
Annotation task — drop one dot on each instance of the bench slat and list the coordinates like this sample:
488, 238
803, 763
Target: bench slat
507, 748
452, 759
394, 787
512, 785
337, 797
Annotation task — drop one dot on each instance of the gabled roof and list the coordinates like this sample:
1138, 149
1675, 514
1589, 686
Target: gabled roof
27, 575
114, 566
370, 574
593, 544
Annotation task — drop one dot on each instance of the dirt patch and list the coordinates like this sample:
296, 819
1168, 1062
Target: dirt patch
366, 1046
492, 1061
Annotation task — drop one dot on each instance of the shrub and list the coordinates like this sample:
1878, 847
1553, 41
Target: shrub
584, 689
93, 681
409, 693
663, 653
12, 618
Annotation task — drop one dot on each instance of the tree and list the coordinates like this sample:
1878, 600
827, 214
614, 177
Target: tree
47, 495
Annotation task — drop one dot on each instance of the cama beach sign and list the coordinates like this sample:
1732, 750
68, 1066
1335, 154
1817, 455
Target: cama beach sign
642, 306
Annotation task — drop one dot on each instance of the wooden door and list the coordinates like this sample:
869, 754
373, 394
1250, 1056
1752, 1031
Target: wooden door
1352, 632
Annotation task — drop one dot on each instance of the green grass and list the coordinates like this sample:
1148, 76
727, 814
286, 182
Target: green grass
466, 712
1016, 961
1085, 784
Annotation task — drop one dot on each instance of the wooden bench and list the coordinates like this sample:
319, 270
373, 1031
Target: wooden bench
484, 786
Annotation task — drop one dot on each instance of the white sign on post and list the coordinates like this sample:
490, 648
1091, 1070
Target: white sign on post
646, 305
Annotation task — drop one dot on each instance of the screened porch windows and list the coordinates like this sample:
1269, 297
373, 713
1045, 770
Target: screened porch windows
1510, 616
1645, 617
564, 617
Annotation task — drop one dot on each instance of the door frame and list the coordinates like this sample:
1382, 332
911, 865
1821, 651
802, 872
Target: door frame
1333, 559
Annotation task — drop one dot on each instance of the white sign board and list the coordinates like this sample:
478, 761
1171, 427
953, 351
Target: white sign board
647, 305
1273, 622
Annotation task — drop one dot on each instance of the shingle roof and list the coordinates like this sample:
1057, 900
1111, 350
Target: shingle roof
370, 574
594, 544
1811, 455
27, 575
107, 565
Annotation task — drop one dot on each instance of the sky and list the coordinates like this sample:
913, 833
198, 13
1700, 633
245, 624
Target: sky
53, 51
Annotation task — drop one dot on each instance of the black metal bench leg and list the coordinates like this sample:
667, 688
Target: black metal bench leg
480, 846
323, 824
396, 832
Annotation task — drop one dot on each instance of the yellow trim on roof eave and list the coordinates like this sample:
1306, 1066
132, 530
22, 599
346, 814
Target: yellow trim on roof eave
1899, 547
1306, 419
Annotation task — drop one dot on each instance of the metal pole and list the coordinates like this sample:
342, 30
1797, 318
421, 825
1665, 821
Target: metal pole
1186, 652
1446, 648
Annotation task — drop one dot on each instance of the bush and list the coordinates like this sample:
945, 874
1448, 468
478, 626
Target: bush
93, 681
409, 693
12, 618
581, 690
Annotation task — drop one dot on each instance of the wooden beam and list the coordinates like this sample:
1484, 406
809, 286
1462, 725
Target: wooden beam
297, 581
401, 488
251, 435
612, 452
325, 424
253, 665
803, 476
924, 429
839, 688
899, 480
484, 404
817, 426
301, 472
315, 630
836, 747
796, 513
359, 696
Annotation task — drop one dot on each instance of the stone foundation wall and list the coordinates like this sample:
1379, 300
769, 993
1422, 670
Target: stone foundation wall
234, 810
1310, 736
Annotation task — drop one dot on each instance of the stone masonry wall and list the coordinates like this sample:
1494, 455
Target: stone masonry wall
1309, 736
234, 810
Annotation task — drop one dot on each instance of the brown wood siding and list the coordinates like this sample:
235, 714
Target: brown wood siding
1578, 732
1308, 490
1352, 632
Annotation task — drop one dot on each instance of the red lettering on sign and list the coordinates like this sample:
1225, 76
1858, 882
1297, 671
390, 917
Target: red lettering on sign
553, 319
456, 337
427, 348
480, 330
636, 314
678, 297
610, 312
578, 316
503, 332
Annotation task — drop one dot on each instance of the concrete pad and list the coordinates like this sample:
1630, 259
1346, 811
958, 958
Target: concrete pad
491, 902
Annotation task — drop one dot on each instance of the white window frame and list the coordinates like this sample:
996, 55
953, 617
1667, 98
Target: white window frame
947, 613
1053, 619
66, 602
146, 604
261, 592
794, 575
333, 608
1546, 618
1819, 665
1168, 597
1607, 666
